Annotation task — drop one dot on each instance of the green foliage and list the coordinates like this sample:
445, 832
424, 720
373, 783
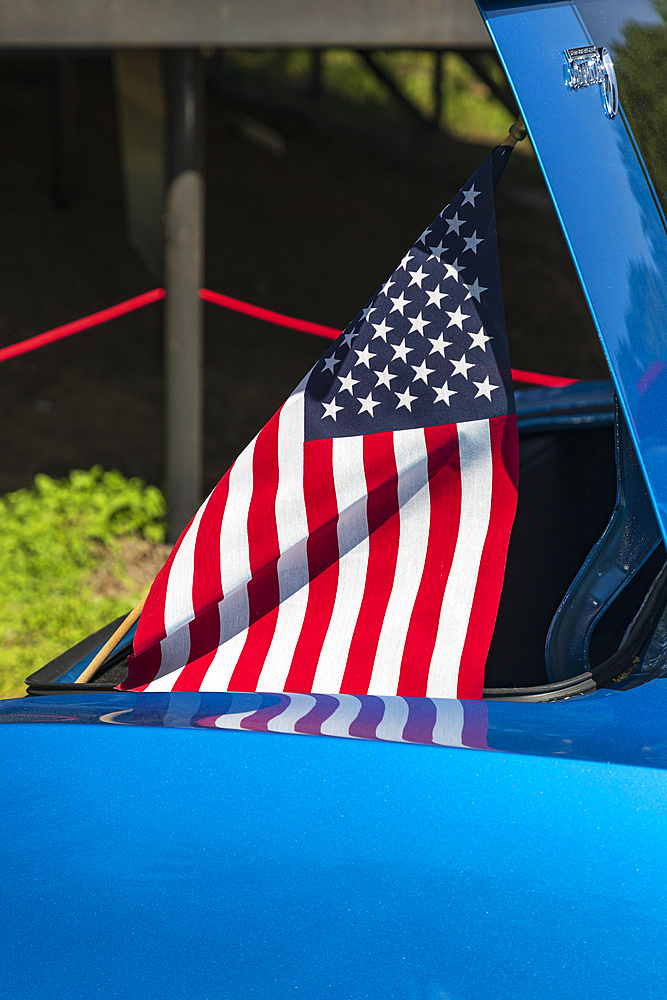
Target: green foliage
469, 111
640, 61
53, 537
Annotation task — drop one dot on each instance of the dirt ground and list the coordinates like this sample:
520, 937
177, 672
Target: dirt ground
312, 234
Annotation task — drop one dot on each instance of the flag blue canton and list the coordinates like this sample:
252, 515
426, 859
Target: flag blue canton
430, 347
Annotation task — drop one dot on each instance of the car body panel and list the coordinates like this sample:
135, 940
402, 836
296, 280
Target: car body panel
608, 209
160, 845
160, 861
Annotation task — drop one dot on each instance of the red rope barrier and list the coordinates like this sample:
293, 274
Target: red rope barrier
535, 378
24, 346
532, 378
268, 315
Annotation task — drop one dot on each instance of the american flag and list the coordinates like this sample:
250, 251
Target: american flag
430, 721
358, 544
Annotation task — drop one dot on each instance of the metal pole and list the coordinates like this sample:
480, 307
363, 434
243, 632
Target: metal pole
184, 276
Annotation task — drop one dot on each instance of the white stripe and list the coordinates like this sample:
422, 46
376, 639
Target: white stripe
300, 705
178, 607
292, 525
350, 485
174, 652
394, 720
234, 553
476, 489
178, 610
233, 718
339, 723
234, 609
414, 501
449, 718
222, 666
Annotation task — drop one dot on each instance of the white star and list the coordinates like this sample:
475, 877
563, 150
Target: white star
405, 399
437, 252
349, 337
479, 339
399, 304
381, 330
422, 372
417, 323
365, 313
453, 270
484, 388
416, 277
426, 233
454, 224
330, 363
469, 196
330, 409
384, 378
367, 404
472, 242
435, 296
439, 345
387, 285
442, 395
475, 290
364, 357
401, 351
461, 367
456, 318
346, 382
406, 260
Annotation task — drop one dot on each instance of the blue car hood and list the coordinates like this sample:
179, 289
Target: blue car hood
147, 855
603, 191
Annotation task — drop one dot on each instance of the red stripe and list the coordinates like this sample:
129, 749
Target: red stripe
475, 725
206, 581
263, 550
206, 592
142, 669
422, 717
145, 664
505, 452
384, 534
324, 707
259, 720
372, 712
95, 319
322, 552
204, 641
444, 469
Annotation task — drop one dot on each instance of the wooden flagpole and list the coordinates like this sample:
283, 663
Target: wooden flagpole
111, 643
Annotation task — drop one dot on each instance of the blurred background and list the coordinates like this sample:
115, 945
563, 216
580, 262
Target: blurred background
322, 166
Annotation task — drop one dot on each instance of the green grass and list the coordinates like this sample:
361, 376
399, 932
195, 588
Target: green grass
64, 568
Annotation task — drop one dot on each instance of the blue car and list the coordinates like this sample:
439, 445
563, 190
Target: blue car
261, 845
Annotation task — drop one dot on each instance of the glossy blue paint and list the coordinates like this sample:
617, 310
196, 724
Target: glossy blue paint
610, 217
151, 862
582, 404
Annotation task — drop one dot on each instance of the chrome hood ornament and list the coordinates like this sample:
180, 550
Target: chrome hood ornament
589, 65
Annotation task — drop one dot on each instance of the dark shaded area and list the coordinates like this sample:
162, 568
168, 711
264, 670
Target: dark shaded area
566, 496
312, 234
